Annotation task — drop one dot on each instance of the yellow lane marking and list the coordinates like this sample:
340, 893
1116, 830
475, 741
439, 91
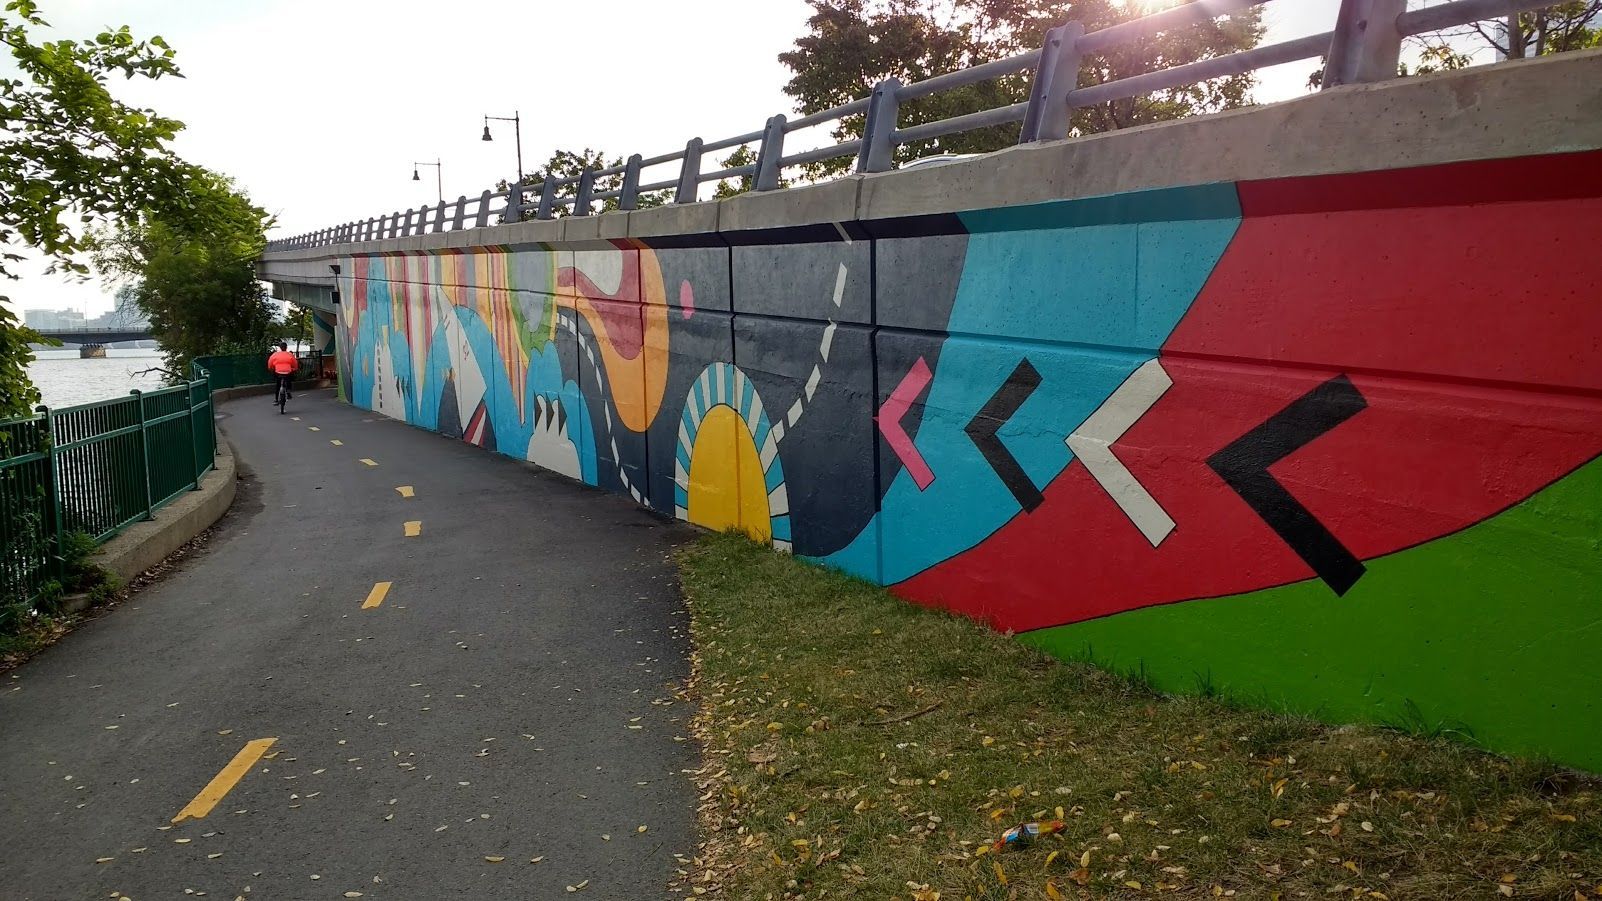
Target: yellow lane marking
405, 490
336, 442
314, 428
414, 528
376, 596
224, 782
369, 462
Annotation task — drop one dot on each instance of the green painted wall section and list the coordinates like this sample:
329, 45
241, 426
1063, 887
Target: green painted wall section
1475, 631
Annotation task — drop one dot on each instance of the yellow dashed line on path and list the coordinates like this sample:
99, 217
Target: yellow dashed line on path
336, 442
369, 462
414, 528
224, 781
405, 490
376, 596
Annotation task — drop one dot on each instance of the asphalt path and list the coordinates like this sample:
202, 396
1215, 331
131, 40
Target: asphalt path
499, 724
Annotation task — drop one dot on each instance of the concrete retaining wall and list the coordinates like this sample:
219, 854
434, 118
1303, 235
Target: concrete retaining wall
1253, 403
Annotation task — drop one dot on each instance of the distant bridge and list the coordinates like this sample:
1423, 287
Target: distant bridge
90, 336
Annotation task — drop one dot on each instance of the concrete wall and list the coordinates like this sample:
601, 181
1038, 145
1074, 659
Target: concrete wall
1302, 404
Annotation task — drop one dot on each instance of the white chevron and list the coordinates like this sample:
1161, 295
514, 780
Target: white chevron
1092, 443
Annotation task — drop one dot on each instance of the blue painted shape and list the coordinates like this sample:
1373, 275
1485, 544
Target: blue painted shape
1087, 291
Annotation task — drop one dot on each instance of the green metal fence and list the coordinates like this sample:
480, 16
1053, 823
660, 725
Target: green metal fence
236, 370
95, 468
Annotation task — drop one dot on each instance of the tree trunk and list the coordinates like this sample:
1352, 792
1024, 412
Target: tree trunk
1515, 37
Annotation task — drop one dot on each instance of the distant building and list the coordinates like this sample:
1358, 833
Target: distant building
54, 320
126, 316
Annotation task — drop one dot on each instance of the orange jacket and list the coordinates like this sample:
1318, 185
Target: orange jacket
282, 362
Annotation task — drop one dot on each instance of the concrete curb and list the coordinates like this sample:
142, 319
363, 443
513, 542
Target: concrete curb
145, 544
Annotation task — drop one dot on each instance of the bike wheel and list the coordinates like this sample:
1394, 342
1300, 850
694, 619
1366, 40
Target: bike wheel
283, 398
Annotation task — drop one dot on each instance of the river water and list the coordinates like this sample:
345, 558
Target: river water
65, 379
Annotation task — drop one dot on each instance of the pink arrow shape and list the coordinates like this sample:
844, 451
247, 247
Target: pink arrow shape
889, 420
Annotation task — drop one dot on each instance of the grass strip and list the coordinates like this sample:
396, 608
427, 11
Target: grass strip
860, 746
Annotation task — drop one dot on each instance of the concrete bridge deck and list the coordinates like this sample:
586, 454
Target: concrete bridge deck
502, 703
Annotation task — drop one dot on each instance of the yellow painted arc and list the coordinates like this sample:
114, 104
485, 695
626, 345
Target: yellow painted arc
727, 487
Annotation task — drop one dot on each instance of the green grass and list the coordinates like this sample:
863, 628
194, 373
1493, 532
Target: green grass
810, 791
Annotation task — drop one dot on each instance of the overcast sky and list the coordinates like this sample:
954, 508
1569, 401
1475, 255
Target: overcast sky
320, 107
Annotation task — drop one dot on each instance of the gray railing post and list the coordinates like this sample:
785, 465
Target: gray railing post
547, 207
629, 197
1366, 45
581, 197
772, 150
689, 173
514, 203
395, 225
461, 213
1056, 75
878, 151
483, 210
415, 226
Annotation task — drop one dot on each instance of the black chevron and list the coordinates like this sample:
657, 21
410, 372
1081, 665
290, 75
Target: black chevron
995, 413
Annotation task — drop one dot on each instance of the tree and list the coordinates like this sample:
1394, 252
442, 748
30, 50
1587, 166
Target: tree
192, 270
851, 45
71, 154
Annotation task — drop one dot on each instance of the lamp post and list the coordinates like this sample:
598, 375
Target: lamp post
517, 132
439, 176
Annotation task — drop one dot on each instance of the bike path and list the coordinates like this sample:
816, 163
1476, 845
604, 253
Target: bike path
506, 701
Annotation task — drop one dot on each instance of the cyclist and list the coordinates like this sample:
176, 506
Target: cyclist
282, 364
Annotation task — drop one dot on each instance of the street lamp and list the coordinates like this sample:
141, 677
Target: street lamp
439, 176
517, 131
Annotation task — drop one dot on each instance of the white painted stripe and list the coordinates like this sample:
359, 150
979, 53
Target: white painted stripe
795, 411
777, 431
781, 546
813, 380
770, 449
779, 501
828, 340
684, 438
839, 284
615, 456
1092, 444
844, 235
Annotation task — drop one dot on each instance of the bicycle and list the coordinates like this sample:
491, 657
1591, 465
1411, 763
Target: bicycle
282, 397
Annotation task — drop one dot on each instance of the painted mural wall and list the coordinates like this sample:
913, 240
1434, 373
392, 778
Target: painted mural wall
1312, 442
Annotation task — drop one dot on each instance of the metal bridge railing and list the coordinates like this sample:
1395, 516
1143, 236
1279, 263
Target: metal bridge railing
1363, 45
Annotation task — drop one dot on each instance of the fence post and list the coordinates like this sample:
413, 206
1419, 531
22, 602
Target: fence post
772, 150
514, 203
1366, 45
439, 218
461, 212
877, 153
482, 219
53, 494
581, 194
629, 198
189, 419
144, 450
689, 173
547, 206
1056, 76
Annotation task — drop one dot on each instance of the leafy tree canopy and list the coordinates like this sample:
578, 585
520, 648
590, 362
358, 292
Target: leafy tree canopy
71, 156
192, 271
851, 45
